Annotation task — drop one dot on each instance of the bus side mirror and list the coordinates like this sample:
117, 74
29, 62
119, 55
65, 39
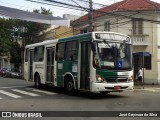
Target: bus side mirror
93, 47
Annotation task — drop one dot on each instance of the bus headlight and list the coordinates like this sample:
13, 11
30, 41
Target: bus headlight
99, 78
131, 78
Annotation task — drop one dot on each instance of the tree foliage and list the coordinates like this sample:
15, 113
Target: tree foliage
8, 44
5, 35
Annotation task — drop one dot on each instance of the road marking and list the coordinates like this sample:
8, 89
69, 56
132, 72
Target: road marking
11, 87
24, 92
9, 94
46, 92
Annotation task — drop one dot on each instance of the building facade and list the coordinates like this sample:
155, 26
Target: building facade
140, 19
55, 33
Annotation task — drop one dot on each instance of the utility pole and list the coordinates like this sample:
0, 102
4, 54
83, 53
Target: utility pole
90, 17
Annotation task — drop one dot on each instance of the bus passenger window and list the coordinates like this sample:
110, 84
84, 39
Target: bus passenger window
39, 54
60, 51
71, 51
36, 54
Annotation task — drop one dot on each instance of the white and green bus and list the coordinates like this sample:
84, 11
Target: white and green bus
99, 62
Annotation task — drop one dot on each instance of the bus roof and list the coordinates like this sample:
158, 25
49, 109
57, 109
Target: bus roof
82, 37
87, 36
46, 42
76, 37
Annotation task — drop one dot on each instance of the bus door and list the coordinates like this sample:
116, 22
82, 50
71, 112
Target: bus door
31, 53
50, 64
85, 65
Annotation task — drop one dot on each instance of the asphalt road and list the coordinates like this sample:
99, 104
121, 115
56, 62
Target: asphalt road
20, 95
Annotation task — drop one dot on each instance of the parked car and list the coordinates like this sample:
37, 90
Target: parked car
2, 72
13, 73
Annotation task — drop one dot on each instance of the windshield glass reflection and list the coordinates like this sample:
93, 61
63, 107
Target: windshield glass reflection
112, 55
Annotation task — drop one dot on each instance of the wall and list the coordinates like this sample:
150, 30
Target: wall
62, 32
58, 32
158, 49
5, 62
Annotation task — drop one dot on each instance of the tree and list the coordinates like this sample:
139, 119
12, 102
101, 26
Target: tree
9, 47
15, 51
5, 35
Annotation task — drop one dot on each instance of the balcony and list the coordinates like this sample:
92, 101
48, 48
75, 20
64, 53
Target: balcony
141, 40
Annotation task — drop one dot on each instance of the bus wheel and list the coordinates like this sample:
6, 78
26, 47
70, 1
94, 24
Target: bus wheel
37, 82
70, 87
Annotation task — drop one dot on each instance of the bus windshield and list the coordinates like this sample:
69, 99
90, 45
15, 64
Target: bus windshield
113, 55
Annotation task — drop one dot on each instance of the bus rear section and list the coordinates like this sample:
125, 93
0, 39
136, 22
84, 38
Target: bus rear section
39, 62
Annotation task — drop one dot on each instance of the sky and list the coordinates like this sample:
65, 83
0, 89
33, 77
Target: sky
57, 11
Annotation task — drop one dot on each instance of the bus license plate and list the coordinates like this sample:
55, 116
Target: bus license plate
117, 87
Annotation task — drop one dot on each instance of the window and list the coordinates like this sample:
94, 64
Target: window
137, 26
147, 62
26, 55
84, 31
107, 26
39, 53
60, 51
71, 51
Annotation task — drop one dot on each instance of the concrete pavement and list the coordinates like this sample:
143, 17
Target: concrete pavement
148, 88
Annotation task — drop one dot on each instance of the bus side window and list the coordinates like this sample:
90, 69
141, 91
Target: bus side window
60, 51
39, 53
26, 55
71, 50
36, 54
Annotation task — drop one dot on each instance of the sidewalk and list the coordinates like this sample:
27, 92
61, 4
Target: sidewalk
146, 87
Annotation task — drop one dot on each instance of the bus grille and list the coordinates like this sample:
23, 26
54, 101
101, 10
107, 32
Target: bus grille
113, 80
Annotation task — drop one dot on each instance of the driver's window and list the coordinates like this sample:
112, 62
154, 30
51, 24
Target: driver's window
106, 54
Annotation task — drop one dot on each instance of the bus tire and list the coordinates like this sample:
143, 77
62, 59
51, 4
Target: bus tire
69, 87
37, 81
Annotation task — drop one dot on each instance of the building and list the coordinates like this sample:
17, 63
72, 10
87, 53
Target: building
55, 33
140, 19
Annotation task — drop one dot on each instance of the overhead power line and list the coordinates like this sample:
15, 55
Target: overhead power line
83, 3
60, 4
79, 7
70, 4
96, 5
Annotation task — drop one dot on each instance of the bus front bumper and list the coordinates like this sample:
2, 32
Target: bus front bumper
111, 87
